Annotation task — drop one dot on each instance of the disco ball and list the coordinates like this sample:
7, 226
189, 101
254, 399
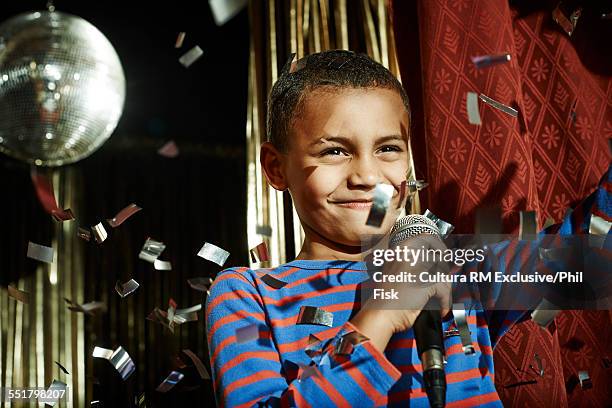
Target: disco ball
62, 88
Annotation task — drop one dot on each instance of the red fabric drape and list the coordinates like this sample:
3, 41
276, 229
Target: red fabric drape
546, 160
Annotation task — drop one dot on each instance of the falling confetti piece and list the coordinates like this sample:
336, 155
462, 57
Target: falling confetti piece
56, 388
264, 230
417, 185
585, 380
273, 282
62, 368
544, 313
213, 253
99, 233
46, 196
169, 150
259, 253
123, 215
19, 295
464, 331
472, 108
171, 380
151, 250
539, 363
380, 204
200, 284
484, 61
40, 252
568, 24
198, 364
444, 228
191, 56
87, 308
179, 40
160, 265
247, 333
315, 315
225, 10
120, 359
127, 288
498, 105
84, 234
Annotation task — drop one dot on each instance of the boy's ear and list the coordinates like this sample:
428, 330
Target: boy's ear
273, 164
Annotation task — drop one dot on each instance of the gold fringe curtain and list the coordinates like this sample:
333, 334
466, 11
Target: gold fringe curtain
278, 29
35, 335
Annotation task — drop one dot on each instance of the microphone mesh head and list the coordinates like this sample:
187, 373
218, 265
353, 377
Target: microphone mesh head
410, 226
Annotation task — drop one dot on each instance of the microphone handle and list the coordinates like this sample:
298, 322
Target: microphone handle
430, 347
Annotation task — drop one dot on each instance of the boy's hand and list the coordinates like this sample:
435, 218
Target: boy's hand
380, 318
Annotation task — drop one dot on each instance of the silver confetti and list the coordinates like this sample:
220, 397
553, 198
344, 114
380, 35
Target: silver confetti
417, 185
151, 250
170, 381
306, 371
528, 225
464, 330
484, 61
598, 231
599, 226
160, 265
198, 364
55, 386
247, 333
568, 24
123, 215
87, 308
471, 101
498, 105
272, 281
539, 364
40, 252
213, 253
264, 230
99, 233
120, 359
380, 204
348, 342
84, 233
544, 313
224, 10
200, 284
444, 227
314, 346
315, 315
585, 380
191, 56
127, 288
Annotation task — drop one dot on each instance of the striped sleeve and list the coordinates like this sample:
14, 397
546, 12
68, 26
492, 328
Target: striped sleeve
251, 374
509, 256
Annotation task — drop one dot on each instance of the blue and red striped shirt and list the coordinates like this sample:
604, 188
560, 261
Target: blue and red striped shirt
275, 369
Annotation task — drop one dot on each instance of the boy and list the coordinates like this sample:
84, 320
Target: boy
337, 126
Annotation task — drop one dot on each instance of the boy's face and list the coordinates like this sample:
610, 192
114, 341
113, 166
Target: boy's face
343, 143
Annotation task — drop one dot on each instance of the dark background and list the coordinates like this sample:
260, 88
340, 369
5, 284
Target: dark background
198, 196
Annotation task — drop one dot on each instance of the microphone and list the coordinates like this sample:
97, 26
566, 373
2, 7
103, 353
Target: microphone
428, 325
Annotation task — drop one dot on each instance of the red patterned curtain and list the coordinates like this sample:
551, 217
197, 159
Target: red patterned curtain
547, 159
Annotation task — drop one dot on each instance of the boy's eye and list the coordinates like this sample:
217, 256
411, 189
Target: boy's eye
390, 148
334, 151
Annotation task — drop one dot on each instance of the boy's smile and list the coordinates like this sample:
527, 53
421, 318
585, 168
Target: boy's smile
343, 142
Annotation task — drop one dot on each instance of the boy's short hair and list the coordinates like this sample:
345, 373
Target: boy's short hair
329, 69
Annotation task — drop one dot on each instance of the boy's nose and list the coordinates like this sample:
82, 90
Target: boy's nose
364, 173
